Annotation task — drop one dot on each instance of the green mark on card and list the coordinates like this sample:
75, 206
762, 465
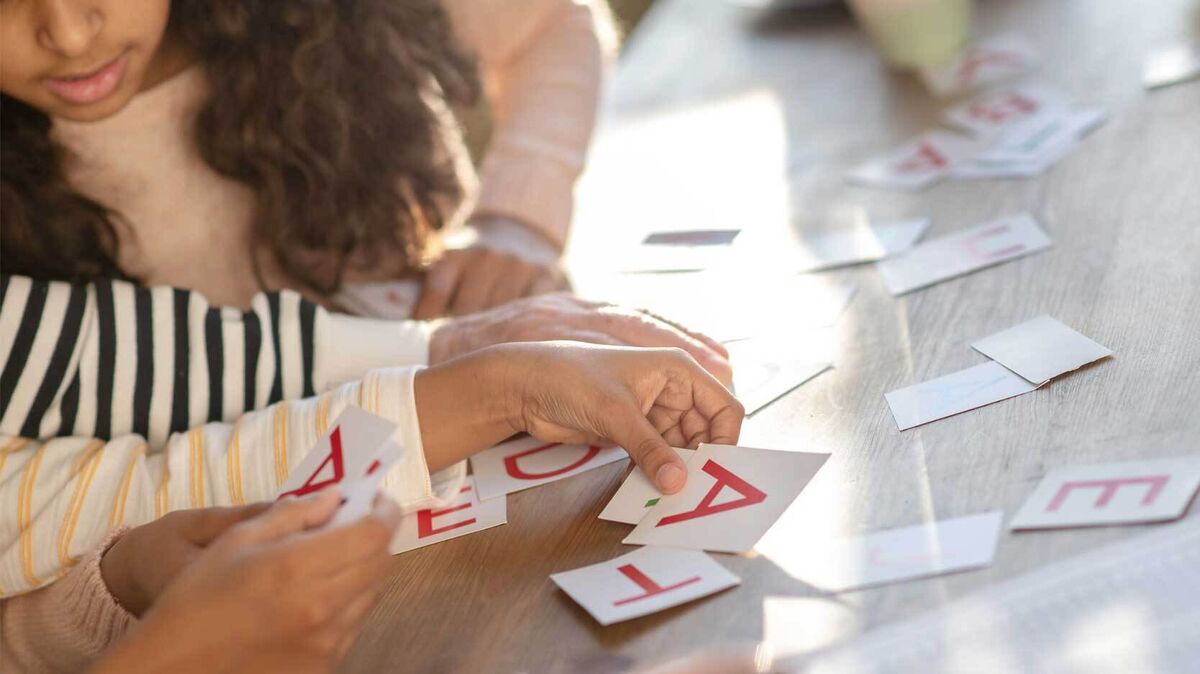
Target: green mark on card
651, 502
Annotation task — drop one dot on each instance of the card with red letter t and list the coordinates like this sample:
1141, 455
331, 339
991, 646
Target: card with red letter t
528, 462
466, 514
643, 582
1111, 493
732, 496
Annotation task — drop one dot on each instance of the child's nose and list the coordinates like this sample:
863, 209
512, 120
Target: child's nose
69, 26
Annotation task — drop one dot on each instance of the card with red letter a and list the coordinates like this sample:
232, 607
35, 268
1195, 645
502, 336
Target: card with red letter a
529, 462
466, 514
643, 582
732, 496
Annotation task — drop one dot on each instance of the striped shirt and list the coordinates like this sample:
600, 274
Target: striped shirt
122, 403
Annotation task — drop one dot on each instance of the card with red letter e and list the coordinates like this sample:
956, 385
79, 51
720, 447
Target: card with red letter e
353, 455
918, 164
528, 462
643, 582
732, 496
466, 514
1129, 492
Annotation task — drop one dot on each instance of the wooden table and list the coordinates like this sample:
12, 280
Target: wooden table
720, 116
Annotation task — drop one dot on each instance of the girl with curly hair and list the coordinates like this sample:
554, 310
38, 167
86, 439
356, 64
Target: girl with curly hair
269, 156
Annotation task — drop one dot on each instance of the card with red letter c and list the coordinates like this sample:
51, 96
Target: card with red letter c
643, 582
529, 462
732, 496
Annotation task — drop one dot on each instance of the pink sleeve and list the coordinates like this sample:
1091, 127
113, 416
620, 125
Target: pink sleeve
64, 626
543, 62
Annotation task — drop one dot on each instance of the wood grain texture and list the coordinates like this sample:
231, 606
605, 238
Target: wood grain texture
1124, 213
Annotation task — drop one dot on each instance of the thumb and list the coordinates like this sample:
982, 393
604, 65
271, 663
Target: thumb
657, 460
293, 515
212, 522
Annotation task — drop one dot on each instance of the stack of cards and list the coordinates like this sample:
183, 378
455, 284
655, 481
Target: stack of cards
1024, 357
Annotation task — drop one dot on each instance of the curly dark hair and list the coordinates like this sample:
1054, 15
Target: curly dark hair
328, 109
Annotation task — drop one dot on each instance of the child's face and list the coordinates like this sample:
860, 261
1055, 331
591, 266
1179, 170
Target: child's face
78, 59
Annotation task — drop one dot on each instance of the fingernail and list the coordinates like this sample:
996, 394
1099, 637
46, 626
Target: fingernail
670, 478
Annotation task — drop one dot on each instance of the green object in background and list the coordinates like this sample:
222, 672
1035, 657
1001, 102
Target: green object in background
916, 33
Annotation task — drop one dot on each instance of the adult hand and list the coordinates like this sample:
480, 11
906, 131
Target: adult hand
145, 559
270, 594
472, 279
646, 400
561, 316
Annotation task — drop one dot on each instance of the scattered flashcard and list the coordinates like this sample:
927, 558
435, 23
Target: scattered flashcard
918, 164
963, 252
1128, 492
636, 495
760, 379
1041, 349
955, 393
642, 582
732, 496
353, 455
989, 62
991, 113
679, 250
904, 554
857, 245
1033, 145
466, 514
1172, 65
528, 462
386, 299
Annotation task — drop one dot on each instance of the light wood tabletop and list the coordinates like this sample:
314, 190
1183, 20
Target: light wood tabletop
720, 115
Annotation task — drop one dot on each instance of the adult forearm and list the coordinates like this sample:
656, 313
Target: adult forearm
465, 405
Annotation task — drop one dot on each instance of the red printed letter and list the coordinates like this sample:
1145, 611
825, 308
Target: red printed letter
511, 463
335, 456
976, 249
750, 495
425, 519
643, 581
1109, 489
927, 157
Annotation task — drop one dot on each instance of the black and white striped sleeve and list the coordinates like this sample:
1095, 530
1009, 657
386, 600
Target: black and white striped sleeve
110, 358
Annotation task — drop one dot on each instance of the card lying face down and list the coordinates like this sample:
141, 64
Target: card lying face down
643, 582
353, 455
466, 514
1041, 349
528, 462
1127, 492
732, 496
902, 554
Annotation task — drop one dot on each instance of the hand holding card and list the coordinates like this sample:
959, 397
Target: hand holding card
353, 455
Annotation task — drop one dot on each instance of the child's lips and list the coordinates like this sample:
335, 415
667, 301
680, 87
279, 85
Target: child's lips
90, 87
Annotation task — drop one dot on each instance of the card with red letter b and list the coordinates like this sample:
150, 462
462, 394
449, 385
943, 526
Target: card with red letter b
732, 496
643, 582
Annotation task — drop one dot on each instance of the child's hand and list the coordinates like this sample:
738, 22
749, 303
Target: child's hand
564, 317
145, 559
270, 594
